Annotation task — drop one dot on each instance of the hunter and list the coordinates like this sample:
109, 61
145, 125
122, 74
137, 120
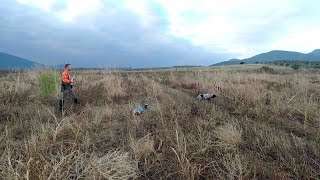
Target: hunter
66, 87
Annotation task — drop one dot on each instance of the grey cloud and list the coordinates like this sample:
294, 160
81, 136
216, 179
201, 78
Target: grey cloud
101, 39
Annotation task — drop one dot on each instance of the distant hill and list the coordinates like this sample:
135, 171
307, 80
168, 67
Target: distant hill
275, 55
229, 62
8, 61
315, 52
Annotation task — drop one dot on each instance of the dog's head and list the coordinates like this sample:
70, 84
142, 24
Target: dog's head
146, 105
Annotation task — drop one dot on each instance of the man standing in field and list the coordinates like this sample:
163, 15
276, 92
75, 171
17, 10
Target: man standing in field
66, 87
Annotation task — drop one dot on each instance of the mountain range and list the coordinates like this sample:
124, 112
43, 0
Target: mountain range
8, 61
275, 55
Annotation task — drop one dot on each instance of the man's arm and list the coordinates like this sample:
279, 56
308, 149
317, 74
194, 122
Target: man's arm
65, 78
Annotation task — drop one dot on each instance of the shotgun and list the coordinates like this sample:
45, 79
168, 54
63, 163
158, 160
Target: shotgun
74, 76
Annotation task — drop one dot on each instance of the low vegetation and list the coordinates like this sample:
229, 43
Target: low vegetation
295, 64
263, 124
48, 82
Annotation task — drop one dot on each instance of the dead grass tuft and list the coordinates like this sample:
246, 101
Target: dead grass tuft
228, 135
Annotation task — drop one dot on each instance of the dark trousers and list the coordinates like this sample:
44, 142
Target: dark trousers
66, 92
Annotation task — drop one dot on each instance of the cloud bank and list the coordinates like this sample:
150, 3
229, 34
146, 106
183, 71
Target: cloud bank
147, 33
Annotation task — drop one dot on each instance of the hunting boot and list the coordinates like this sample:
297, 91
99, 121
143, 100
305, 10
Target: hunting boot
76, 101
61, 103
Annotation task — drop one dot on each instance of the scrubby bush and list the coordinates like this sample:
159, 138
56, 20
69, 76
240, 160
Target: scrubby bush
48, 82
295, 67
267, 69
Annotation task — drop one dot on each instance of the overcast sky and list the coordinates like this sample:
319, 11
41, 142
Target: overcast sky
144, 33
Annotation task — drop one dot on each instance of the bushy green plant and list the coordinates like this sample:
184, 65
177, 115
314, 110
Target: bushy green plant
48, 82
295, 67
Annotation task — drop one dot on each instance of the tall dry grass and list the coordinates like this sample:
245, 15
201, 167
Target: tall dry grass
262, 125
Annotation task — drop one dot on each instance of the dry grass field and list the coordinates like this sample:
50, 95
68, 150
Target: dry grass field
263, 124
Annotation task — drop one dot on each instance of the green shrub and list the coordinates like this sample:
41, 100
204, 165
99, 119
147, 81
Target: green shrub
266, 69
295, 67
48, 83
